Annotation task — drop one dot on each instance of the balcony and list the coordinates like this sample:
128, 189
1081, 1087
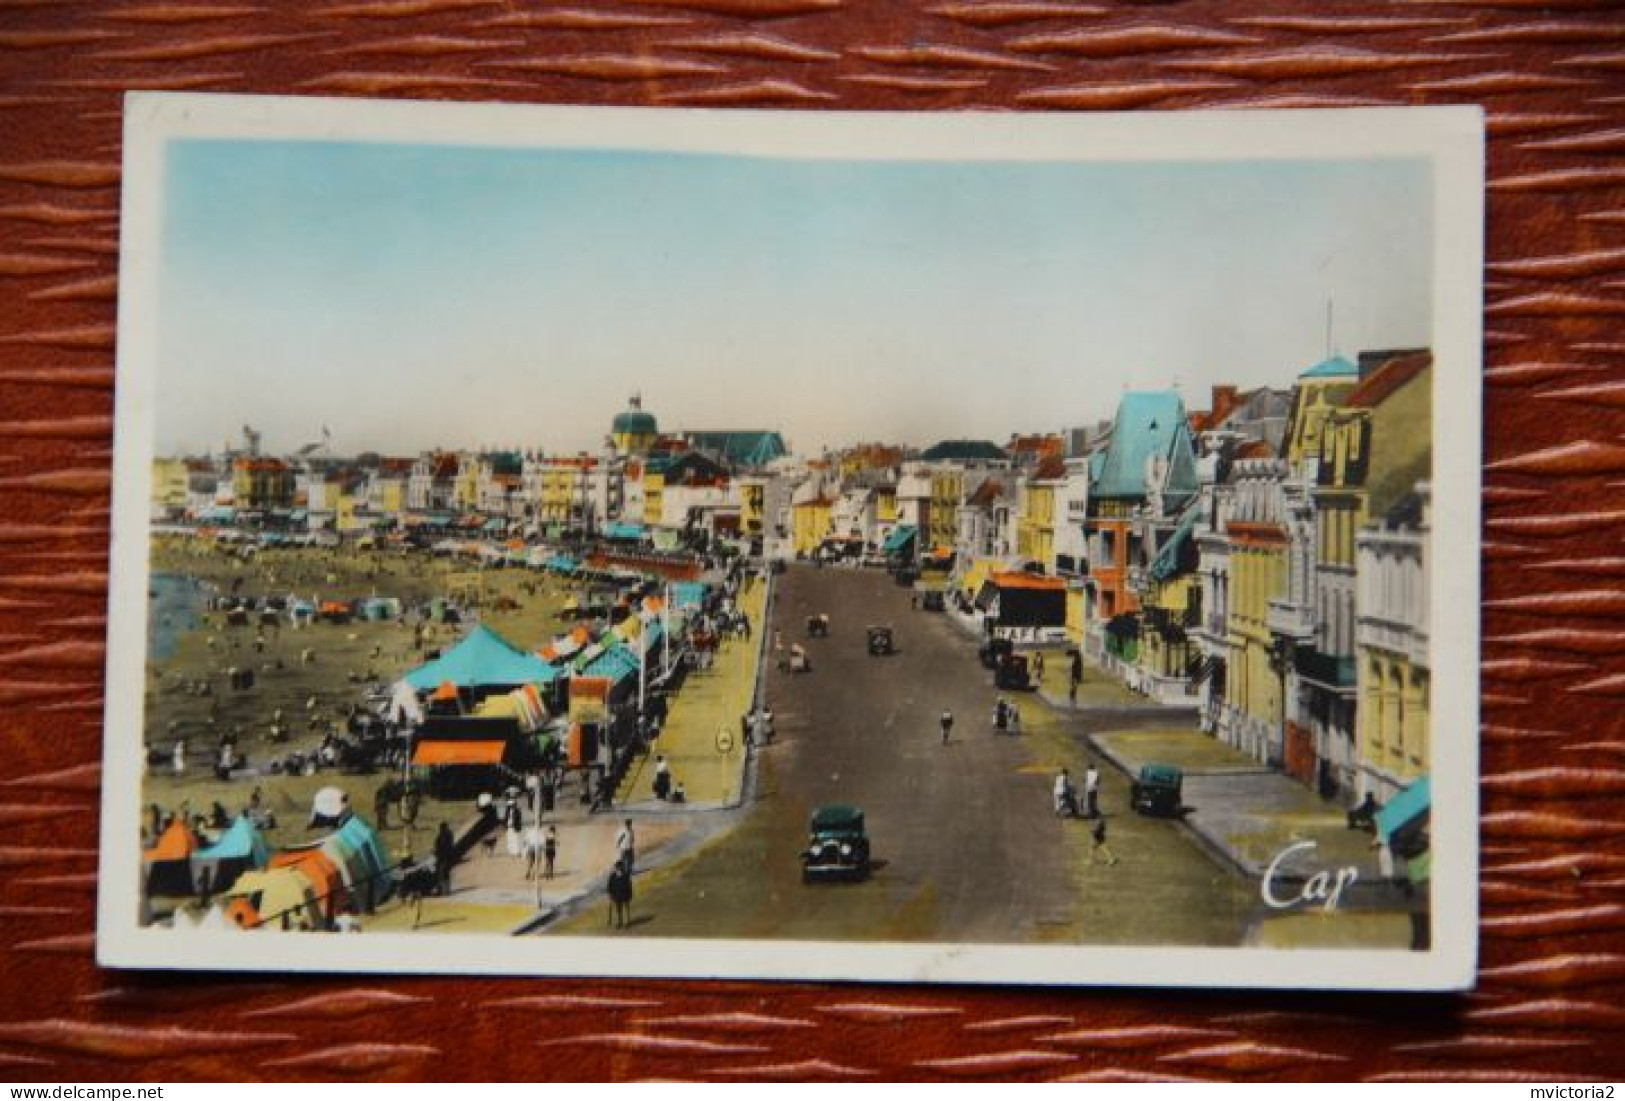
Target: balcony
1290, 619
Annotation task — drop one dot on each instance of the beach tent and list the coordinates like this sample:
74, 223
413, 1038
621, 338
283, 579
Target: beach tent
321, 872
615, 664
240, 849
483, 659
277, 898
358, 849
169, 861
523, 705
380, 608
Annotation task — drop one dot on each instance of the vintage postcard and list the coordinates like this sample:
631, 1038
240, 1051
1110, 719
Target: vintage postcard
962, 548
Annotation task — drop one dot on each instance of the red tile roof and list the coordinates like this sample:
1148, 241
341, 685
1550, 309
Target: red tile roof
1381, 384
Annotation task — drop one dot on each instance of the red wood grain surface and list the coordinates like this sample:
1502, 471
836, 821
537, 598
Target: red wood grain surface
1552, 76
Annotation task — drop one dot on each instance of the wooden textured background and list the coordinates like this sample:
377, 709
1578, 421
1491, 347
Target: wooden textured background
1551, 1001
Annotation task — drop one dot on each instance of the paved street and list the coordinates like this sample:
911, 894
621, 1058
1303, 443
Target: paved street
964, 839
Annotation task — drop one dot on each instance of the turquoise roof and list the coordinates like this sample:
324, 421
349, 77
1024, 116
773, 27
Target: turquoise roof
1149, 422
1336, 367
617, 663
242, 841
484, 659
754, 448
635, 422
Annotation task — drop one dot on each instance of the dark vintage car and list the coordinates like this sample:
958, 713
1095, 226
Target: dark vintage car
1159, 790
993, 650
837, 846
932, 600
1013, 673
880, 641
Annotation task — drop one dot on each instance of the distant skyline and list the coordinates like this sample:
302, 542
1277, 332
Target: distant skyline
408, 297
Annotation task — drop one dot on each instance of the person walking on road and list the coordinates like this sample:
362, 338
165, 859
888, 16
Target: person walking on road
550, 851
620, 896
445, 855
1091, 790
1066, 797
1076, 679
1100, 847
626, 846
947, 724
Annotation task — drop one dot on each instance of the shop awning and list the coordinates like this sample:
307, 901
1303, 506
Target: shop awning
459, 753
1405, 808
899, 538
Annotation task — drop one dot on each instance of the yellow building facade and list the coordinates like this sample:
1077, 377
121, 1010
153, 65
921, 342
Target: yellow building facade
1258, 574
811, 522
947, 494
170, 483
1035, 526
654, 493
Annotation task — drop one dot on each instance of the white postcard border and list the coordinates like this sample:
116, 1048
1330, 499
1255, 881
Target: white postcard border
1451, 138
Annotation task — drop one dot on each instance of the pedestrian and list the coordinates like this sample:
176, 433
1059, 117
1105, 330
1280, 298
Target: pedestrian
1038, 667
1100, 847
767, 725
445, 855
513, 819
1091, 790
947, 721
1065, 798
747, 727
620, 896
180, 756
550, 851
662, 780
626, 846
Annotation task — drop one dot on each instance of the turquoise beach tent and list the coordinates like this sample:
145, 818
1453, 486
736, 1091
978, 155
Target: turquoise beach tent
484, 659
240, 849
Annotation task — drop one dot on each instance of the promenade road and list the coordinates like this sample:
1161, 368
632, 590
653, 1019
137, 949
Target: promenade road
965, 842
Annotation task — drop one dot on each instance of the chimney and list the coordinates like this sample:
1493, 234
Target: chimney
1224, 402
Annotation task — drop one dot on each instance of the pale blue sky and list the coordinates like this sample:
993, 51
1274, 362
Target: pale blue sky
412, 296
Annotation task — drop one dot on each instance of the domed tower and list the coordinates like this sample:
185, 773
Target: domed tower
633, 430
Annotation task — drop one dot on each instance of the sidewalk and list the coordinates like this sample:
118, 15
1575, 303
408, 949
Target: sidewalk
709, 703
1245, 812
491, 894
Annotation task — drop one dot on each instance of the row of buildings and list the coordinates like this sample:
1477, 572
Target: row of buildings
670, 484
1264, 559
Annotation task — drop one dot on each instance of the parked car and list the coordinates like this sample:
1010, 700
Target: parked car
880, 641
837, 845
993, 650
932, 601
1013, 673
1159, 790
